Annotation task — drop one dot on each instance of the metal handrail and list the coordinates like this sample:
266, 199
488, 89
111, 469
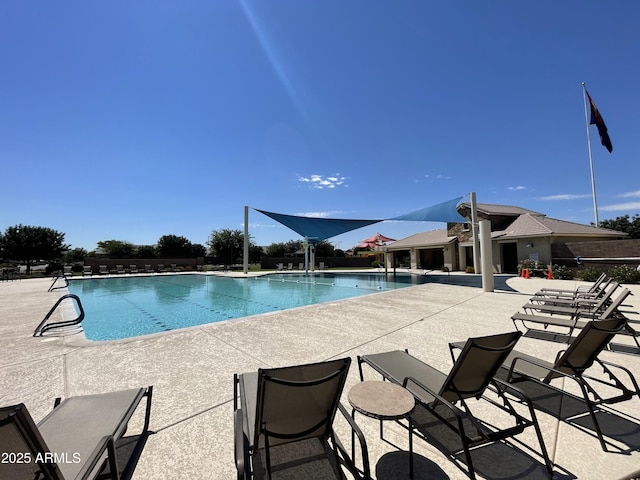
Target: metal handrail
55, 279
43, 326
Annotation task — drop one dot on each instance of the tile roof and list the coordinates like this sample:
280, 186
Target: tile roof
493, 209
432, 237
528, 225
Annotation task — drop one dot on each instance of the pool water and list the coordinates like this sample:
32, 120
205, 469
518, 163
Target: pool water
125, 307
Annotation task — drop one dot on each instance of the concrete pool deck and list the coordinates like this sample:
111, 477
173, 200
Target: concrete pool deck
192, 374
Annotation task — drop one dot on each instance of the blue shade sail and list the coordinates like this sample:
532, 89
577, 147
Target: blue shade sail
318, 229
442, 212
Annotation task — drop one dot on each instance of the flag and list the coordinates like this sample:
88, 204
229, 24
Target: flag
596, 119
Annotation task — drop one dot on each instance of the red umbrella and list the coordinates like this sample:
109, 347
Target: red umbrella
375, 241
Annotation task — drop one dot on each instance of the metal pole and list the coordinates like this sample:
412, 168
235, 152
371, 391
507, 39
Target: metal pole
475, 235
593, 178
245, 252
487, 256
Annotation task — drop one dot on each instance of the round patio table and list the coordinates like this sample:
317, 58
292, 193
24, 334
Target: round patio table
384, 401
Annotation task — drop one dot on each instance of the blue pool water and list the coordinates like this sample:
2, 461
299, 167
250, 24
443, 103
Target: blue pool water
127, 307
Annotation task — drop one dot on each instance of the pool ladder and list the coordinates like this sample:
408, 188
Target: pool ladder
44, 326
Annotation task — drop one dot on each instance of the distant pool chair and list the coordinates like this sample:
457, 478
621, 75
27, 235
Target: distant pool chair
133, 269
103, 270
87, 270
119, 269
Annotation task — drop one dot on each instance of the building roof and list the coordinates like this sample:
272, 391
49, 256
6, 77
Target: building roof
423, 239
493, 209
530, 225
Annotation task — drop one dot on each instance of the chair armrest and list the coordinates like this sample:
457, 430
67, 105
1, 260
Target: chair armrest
241, 447
363, 443
106, 444
455, 410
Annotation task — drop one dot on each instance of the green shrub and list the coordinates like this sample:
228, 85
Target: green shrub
377, 264
562, 272
589, 274
624, 274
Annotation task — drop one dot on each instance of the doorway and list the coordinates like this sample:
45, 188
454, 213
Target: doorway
509, 253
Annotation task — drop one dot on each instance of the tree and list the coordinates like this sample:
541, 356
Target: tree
146, 251
324, 249
624, 224
226, 244
281, 249
173, 246
27, 244
117, 248
75, 255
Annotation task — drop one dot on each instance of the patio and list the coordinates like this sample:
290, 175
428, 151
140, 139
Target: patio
192, 374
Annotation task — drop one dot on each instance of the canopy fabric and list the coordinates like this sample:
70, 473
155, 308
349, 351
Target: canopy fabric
318, 229
442, 212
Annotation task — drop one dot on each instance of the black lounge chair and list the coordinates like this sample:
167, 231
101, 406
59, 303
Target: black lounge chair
284, 418
572, 364
75, 441
579, 320
440, 394
560, 292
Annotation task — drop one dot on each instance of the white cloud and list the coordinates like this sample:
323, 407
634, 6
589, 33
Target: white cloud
565, 196
318, 214
519, 187
630, 194
320, 182
621, 207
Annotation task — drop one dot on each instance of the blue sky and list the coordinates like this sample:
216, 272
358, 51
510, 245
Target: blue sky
129, 120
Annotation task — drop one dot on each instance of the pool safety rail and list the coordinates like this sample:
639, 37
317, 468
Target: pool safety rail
55, 280
44, 326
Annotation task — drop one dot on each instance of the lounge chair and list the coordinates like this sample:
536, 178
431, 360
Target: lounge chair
577, 320
119, 269
133, 269
160, 267
573, 296
68, 271
300, 266
103, 270
75, 441
438, 394
87, 270
580, 290
279, 267
290, 266
148, 269
573, 307
290, 411
572, 363
321, 266
173, 267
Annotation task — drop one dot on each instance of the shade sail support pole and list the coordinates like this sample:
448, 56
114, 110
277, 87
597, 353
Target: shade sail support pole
245, 250
475, 234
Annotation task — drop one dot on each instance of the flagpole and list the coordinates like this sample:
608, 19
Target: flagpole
593, 180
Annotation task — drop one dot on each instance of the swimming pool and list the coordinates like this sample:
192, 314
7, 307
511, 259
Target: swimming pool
124, 307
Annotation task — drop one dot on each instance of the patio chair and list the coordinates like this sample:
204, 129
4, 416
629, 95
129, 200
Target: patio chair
160, 267
574, 296
68, 271
133, 269
283, 419
174, 267
103, 270
148, 269
439, 394
578, 320
119, 269
290, 266
595, 287
75, 441
87, 270
279, 267
572, 307
572, 363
